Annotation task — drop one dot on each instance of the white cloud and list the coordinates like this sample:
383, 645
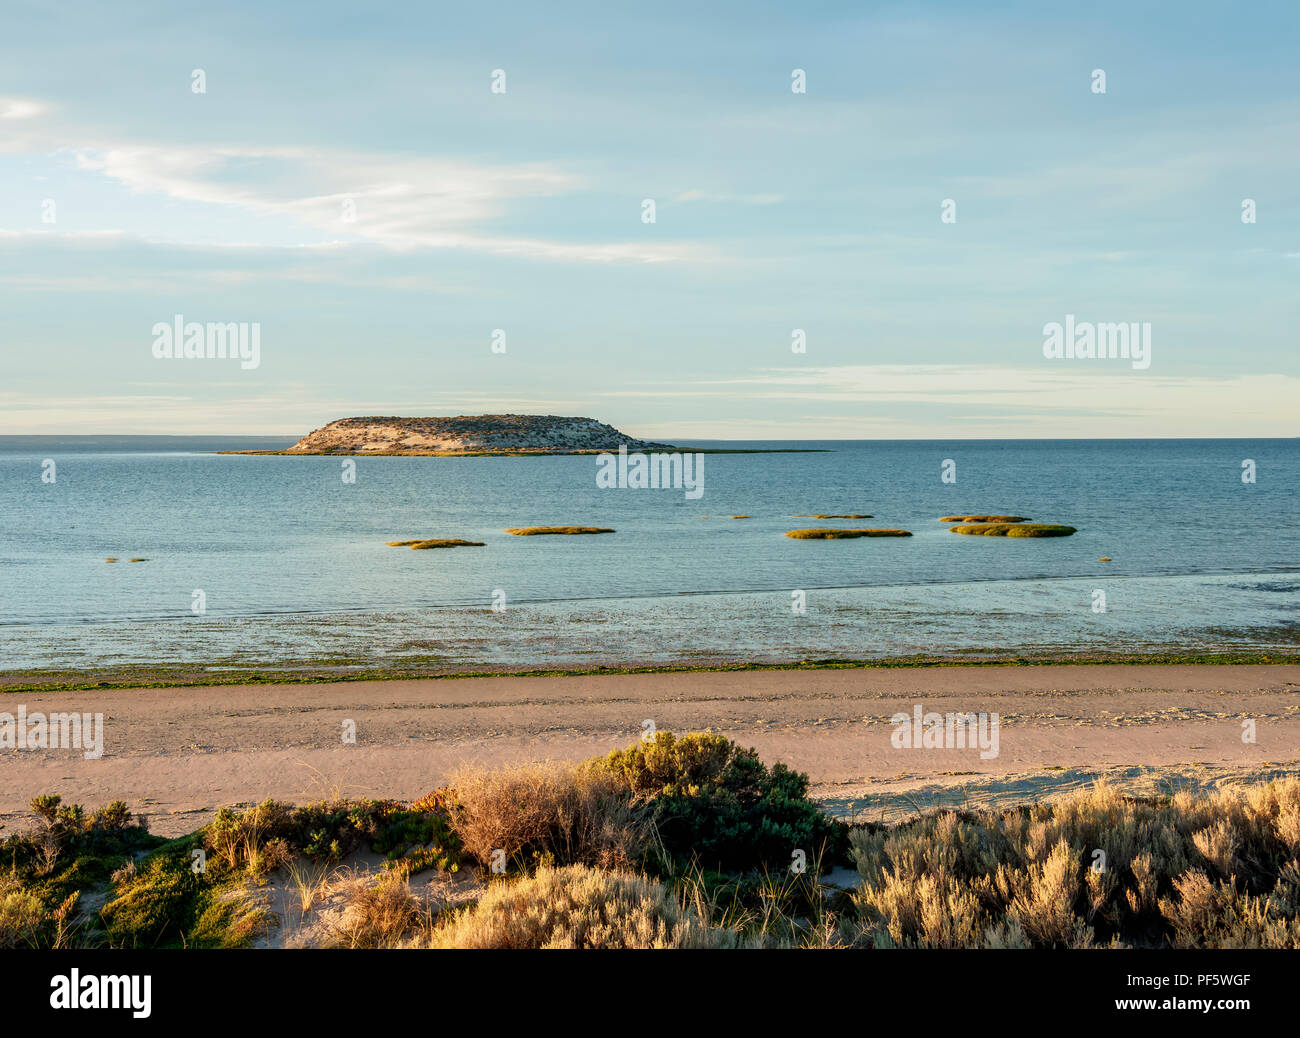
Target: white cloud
397, 202
21, 108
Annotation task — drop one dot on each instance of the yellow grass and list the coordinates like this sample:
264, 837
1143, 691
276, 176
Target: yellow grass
579, 907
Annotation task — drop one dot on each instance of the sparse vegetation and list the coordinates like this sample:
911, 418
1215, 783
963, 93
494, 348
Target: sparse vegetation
533, 531
675, 842
1015, 529
833, 535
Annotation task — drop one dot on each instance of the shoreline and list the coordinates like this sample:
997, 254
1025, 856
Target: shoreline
336, 671
179, 753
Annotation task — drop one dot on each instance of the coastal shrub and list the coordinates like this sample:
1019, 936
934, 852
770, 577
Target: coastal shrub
22, 914
164, 902
984, 519
268, 836
720, 805
1015, 529
561, 813
65, 852
65, 837
256, 841
579, 907
533, 531
831, 534
1213, 871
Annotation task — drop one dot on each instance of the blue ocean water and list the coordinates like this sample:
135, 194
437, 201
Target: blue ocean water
292, 562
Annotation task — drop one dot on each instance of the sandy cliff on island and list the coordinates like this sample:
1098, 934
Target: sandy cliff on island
485, 433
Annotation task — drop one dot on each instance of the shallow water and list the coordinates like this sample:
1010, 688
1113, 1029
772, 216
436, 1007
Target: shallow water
293, 565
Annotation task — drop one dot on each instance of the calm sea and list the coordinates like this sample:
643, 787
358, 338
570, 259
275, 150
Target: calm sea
291, 560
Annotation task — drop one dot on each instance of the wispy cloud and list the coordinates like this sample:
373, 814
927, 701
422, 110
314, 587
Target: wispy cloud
21, 108
398, 202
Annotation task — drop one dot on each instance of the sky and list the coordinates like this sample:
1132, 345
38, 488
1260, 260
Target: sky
354, 181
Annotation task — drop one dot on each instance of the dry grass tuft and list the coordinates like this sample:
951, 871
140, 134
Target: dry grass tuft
1217, 871
568, 814
579, 907
379, 913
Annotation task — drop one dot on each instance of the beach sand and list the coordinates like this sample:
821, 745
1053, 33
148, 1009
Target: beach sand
177, 754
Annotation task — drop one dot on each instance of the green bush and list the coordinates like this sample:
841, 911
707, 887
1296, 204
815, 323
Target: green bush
721, 806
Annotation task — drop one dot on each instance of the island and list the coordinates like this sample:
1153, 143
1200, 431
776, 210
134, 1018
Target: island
475, 435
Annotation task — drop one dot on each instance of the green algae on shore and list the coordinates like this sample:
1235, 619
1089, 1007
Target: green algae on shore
532, 531
835, 535
1016, 529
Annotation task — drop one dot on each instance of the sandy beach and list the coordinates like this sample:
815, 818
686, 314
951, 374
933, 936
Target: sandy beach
177, 754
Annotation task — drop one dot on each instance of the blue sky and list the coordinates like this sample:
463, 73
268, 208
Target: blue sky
522, 211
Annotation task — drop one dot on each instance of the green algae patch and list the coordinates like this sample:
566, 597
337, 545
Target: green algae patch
436, 542
836, 535
1016, 529
984, 519
535, 531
